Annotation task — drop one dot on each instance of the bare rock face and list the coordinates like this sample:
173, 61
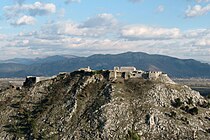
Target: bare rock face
87, 105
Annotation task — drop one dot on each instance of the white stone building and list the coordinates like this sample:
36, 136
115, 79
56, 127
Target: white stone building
125, 72
88, 69
127, 69
154, 74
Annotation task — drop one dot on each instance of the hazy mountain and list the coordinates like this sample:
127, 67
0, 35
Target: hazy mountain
25, 61
28, 61
55, 58
173, 66
11, 67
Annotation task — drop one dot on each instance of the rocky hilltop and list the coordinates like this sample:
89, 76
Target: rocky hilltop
87, 105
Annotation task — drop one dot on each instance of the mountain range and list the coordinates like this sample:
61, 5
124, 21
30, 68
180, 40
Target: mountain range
174, 67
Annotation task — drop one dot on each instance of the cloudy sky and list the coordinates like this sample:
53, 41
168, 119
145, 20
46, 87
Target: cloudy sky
31, 28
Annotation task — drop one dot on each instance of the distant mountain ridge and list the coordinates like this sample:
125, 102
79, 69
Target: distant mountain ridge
174, 67
29, 61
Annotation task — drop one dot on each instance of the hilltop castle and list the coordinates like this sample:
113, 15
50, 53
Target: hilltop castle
127, 72
132, 72
117, 72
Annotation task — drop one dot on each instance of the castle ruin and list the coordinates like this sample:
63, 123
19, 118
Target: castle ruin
132, 72
88, 69
118, 72
31, 80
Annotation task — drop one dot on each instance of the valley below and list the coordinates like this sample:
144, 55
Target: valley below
198, 84
6, 83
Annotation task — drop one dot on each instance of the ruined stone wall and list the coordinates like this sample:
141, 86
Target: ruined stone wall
154, 75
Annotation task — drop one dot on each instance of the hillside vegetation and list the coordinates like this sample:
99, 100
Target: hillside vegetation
88, 106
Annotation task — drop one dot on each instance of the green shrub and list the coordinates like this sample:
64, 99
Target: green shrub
177, 103
98, 72
173, 114
185, 120
185, 108
190, 101
132, 136
208, 96
193, 111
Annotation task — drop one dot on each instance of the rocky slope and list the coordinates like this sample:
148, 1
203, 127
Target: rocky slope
89, 106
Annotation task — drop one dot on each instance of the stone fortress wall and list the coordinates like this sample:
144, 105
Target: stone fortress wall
118, 72
132, 72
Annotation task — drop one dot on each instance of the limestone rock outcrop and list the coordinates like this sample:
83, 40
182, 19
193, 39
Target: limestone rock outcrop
88, 106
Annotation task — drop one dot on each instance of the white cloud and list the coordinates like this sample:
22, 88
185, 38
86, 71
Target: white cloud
203, 42
36, 9
160, 8
2, 36
97, 26
197, 10
199, 1
48, 43
40, 9
101, 20
92, 36
24, 20
198, 33
63, 28
25, 42
18, 42
23, 14
147, 32
73, 29
72, 1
